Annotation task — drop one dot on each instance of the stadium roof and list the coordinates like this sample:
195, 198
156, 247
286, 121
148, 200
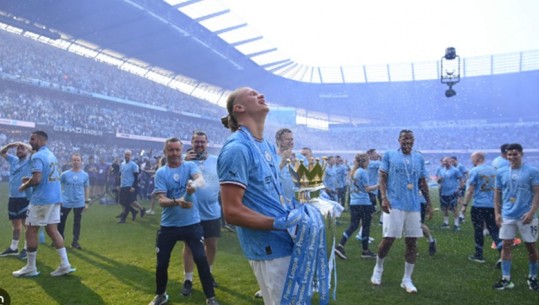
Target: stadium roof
156, 35
355, 33
189, 36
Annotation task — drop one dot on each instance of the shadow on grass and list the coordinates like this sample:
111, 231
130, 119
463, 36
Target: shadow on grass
128, 274
223, 293
63, 288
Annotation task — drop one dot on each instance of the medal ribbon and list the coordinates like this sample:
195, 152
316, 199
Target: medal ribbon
513, 184
412, 170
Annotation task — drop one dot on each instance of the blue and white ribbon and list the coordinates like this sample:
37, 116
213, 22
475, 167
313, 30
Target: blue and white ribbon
308, 264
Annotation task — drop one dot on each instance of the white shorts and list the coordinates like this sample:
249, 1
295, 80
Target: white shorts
271, 277
528, 232
400, 223
42, 215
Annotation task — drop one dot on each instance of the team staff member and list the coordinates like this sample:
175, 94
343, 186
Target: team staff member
76, 196
208, 207
180, 220
129, 172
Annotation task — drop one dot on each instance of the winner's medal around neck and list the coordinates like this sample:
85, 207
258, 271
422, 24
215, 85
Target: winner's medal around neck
409, 173
513, 184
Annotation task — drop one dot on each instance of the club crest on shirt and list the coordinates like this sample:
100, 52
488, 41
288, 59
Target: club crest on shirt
75, 177
267, 155
176, 177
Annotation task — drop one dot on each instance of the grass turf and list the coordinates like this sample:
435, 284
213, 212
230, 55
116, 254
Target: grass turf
117, 265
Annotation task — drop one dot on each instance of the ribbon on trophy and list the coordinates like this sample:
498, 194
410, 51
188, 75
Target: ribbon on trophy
308, 267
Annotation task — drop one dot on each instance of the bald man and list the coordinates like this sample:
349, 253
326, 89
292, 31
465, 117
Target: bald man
481, 188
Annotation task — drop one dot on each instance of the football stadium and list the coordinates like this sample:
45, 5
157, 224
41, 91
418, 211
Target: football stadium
117, 82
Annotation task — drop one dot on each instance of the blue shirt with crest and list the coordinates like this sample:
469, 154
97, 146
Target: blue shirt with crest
127, 173
208, 196
173, 182
73, 185
451, 179
252, 165
403, 171
18, 168
517, 189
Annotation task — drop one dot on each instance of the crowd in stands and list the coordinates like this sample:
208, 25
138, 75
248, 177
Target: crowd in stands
451, 137
27, 59
57, 109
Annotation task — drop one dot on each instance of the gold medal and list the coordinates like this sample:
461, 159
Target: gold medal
410, 186
513, 199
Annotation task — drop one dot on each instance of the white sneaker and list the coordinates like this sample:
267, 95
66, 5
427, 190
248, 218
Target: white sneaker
150, 212
258, 294
408, 286
26, 271
63, 270
376, 278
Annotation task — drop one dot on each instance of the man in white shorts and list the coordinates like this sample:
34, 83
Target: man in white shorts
400, 172
44, 207
516, 199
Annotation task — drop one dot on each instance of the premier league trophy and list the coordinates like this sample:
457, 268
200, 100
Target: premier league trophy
310, 238
308, 180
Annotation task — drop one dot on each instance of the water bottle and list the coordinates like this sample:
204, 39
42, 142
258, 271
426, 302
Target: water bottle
188, 197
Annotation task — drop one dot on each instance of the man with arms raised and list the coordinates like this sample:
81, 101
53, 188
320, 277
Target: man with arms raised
19, 167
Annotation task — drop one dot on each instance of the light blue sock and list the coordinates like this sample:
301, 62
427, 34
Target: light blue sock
533, 269
506, 269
